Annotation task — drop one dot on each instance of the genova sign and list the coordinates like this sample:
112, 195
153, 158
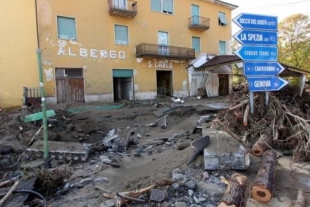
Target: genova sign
265, 83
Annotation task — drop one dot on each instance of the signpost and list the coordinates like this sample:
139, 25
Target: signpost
259, 39
256, 21
258, 53
266, 83
262, 68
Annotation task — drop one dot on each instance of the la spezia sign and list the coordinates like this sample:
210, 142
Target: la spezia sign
92, 53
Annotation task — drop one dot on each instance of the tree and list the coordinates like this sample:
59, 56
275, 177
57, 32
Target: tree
294, 41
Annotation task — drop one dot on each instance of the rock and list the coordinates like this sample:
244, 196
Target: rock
180, 204
205, 175
190, 193
166, 204
191, 184
101, 179
195, 205
158, 195
34, 164
67, 186
196, 199
54, 163
105, 159
213, 190
178, 175
182, 145
202, 199
5, 149
109, 203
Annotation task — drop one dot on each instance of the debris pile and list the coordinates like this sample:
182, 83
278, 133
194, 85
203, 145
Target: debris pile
282, 124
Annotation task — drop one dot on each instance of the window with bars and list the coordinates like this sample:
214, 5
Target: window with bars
66, 28
164, 6
121, 35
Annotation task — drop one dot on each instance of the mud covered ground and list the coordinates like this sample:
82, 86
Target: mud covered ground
144, 162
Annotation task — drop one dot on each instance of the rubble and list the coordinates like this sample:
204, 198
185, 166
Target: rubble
122, 149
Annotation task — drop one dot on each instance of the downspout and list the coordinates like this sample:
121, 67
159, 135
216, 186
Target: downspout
42, 92
37, 24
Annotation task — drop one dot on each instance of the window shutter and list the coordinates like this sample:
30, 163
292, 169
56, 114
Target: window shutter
168, 6
66, 28
121, 35
222, 18
222, 48
196, 43
156, 5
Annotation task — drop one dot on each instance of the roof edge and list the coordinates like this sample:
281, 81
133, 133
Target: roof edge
226, 4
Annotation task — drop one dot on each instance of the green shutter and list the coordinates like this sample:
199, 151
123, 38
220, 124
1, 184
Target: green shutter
119, 73
66, 28
168, 6
222, 18
156, 5
121, 35
196, 43
222, 48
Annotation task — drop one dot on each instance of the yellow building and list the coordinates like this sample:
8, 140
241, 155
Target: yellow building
18, 44
113, 50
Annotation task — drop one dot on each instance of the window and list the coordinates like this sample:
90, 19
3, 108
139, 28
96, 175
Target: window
121, 35
164, 6
66, 28
196, 43
222, 48
222, 19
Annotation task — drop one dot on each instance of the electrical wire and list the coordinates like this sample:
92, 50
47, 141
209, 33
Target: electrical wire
29, 192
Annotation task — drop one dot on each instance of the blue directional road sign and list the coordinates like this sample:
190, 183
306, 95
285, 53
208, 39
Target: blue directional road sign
257, 53
257, 37
265, 83
262, 68
255, 21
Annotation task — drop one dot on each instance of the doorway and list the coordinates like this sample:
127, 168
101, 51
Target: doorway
163, 42
164, 83
223, 85
123, 84
69, 85
195, 14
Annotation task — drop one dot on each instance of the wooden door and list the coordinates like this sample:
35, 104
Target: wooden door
70, 89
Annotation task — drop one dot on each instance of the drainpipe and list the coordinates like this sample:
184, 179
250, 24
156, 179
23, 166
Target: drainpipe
42, 92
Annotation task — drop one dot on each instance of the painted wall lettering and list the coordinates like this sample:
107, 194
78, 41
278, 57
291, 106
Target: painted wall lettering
164, 64
93, 53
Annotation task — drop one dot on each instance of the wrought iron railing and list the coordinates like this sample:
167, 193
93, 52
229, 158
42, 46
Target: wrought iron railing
169, 52
199, 23
125, 8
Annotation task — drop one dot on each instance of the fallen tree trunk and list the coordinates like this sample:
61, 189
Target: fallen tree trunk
261, 145
263, 184
234, 194
300, 201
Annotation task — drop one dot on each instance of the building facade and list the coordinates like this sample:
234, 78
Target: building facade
114, 50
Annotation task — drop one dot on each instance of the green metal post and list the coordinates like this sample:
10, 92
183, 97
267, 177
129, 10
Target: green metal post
42, 91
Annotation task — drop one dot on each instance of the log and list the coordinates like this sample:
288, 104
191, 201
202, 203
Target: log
263, 184
235, 192
300, 201
242, 103
261, 145
4, 199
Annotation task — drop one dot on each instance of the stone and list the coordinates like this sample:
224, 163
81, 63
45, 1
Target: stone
213, 190
158, 195
109, 203
34, 163
190, 193
206, 175
180, 204
166, 204
85, 181
191, 184
5, 149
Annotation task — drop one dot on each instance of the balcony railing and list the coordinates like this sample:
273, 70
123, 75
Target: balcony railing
123, 8
199, 23
165, 51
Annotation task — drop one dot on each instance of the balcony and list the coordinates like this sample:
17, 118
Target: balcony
123, 8
199, 23
165, 51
